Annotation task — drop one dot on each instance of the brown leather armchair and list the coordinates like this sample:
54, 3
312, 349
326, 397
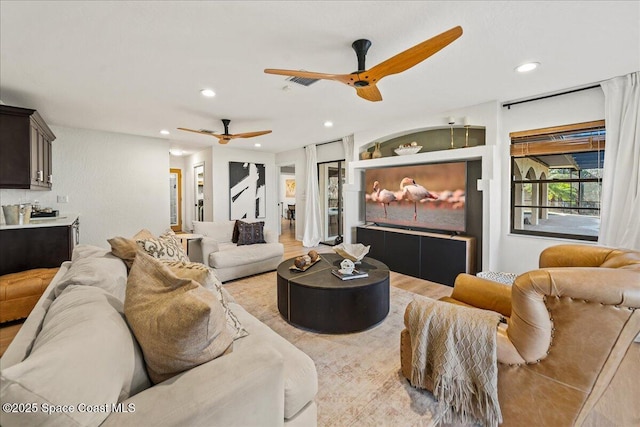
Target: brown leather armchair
569, 326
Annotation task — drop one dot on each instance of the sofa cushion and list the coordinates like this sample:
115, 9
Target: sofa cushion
220, 231
84, 353
94, 266
207, 278
300, 375
165, 246
178, 323
231, 255
126, 249
250, 233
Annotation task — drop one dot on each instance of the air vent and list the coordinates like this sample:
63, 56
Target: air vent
207, 131
304, 81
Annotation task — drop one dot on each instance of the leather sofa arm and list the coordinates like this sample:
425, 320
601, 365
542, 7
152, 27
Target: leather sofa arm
575, 255
482, 293
215, 393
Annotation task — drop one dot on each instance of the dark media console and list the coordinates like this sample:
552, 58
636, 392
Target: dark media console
430, 256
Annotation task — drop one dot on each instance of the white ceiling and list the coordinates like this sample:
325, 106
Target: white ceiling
137, 67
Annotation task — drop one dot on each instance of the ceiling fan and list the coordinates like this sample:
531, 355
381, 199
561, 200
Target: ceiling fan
226, 136
363, 80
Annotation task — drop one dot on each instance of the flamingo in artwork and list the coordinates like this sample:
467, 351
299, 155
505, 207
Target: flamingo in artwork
383, 196
416, 193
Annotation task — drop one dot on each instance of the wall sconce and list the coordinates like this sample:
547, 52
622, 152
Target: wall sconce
451, 122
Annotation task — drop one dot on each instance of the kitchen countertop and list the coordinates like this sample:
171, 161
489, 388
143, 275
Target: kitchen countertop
62, 220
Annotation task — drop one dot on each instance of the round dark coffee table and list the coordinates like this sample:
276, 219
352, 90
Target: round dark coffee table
317, 300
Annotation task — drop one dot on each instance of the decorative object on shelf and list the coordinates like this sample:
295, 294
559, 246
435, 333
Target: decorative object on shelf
451, 122
352, 251
365, 155
466, 124
376, 153
346, 266
406, 149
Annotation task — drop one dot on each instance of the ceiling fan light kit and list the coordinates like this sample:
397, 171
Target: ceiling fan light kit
364, 81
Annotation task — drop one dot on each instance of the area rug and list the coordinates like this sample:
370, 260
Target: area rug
359, 379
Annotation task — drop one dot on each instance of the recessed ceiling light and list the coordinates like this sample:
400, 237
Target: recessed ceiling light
529, 66
165, 132
328, 124
208, 93
175, 152
257, 144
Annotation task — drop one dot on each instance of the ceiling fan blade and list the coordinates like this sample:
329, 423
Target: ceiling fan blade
344, 78
370, 93
414, 55
201, 132
250, 134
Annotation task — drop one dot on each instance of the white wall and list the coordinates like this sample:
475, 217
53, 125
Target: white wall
117, 183
220, 158
520, 253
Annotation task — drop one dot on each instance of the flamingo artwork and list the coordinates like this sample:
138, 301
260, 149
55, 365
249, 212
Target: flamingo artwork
382, 196
416, 193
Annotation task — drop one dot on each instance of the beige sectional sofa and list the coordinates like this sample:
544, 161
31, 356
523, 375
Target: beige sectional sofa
231, 261
76, 358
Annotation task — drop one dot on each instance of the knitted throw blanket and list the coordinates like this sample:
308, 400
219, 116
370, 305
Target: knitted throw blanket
454, 355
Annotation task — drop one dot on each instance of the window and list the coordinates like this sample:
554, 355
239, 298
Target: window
556, 181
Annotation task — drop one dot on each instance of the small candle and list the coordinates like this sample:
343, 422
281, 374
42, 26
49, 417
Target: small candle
451, 120
466, 121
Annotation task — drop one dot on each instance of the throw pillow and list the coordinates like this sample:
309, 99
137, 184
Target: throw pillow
166, 246
236, 231
251, 233
125, 248
178, 323
207, 278
84, 353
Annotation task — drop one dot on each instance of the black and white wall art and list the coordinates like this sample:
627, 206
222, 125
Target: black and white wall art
247, 190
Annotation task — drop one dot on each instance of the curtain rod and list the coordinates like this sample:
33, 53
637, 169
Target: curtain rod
325, 143
509, 104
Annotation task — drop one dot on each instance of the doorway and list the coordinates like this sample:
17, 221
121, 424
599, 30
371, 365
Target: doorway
198, 185
331, 178
175, 199
287, 200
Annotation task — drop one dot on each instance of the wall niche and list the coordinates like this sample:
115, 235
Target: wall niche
434, 140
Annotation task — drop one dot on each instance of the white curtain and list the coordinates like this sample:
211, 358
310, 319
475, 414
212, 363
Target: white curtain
313, 214
620, 210
347, 145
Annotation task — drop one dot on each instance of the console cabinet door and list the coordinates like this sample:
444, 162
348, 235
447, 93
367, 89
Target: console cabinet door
374, 238
402, 253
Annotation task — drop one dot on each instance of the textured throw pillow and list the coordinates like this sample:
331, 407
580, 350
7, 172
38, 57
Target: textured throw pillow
125, 248
251, 233
236, 231
207, 278
84, 353
178, 323
166, 246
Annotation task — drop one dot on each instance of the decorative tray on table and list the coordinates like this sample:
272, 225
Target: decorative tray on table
306, 267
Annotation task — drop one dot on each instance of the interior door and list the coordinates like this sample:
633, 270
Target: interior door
198, 185
331, 176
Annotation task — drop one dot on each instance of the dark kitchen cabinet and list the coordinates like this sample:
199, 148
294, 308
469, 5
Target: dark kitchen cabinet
25, 149
30, 247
